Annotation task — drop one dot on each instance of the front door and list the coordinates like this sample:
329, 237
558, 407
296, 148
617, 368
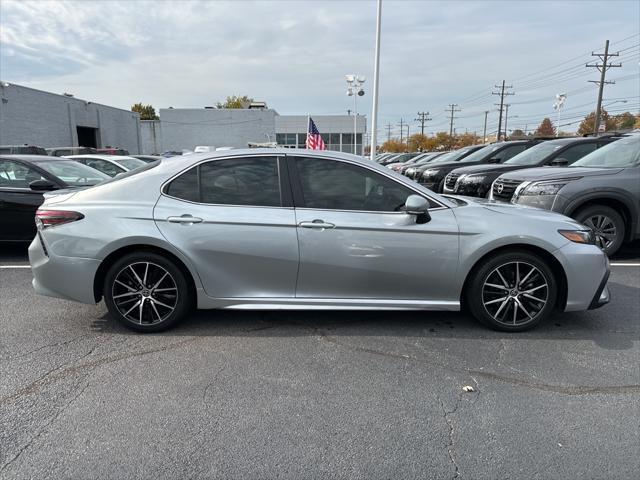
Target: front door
231, 218
356, 242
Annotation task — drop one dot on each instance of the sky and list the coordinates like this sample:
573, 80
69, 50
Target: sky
294, 55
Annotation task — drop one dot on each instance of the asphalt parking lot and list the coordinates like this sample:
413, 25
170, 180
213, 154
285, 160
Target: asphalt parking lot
317, 394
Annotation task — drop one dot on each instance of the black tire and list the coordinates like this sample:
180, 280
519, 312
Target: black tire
162, 306
486, 291
609, 216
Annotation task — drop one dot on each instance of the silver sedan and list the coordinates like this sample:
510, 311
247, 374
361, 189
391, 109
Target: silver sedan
283, 229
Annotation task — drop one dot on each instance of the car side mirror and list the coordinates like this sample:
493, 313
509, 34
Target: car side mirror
418, 206
42, 186
561, 162
494, 160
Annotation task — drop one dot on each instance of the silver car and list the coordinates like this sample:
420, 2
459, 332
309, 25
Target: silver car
276, 229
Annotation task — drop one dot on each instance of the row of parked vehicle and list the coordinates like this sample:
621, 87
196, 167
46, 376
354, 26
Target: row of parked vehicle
595, 180
24, 179
27, 149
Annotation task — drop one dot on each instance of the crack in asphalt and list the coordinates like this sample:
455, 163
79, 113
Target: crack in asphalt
35, 438
451, 443
50, 345
66, 370
561, 389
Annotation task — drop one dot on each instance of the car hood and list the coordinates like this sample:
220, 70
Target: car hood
490, 168
558, 173
510, 209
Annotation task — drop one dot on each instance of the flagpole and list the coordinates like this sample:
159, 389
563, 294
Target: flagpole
306, 140
376, 77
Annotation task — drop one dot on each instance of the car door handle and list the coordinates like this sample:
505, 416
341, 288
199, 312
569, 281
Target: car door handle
184, 219
316, 224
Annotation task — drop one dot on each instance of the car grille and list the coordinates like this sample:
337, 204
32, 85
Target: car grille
503, 189
451, 179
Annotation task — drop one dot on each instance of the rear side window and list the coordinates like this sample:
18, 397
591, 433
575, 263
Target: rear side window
242, 181
17, 175
510, 152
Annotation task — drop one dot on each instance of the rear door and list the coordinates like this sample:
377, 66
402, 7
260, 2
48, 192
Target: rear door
356, 242
234, 219
18, 203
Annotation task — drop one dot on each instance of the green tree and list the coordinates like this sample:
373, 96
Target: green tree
235, 101
147, 112
545, 129
588, 124
624, 121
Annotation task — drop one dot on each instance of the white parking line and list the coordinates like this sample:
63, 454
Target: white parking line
14, 266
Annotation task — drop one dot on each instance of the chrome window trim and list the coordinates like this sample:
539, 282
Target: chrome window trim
282, 156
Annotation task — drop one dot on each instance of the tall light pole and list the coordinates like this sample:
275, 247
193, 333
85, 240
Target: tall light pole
355, 90
557, 106
376, 78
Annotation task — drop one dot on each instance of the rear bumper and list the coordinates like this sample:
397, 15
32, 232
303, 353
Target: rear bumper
70, 278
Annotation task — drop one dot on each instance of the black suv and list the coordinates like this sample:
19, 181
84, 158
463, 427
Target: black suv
433, 177
476, 180
446, 157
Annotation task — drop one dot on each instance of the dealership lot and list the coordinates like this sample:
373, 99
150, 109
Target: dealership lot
317, 394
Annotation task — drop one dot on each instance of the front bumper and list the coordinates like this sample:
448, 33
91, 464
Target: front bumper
58, 276
587, 270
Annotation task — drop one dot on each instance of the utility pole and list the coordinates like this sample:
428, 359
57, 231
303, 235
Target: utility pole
402, 125
484, 135
452, 109
423, 117
506, 117
502, 94
602, 67
389, 127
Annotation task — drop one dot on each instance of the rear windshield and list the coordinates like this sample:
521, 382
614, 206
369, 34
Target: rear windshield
73, 173
130, 173
619, 154
130, 163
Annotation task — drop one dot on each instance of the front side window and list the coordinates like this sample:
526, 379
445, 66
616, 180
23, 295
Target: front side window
576, 152
240, 181
17, 175
333, 185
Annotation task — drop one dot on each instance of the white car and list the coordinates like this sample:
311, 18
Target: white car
112, 165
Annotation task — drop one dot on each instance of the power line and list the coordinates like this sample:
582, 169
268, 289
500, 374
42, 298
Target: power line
423, 118
452, 109
502, 94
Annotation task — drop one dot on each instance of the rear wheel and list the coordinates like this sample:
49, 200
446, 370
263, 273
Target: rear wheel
607, 225
512, 291
146, 292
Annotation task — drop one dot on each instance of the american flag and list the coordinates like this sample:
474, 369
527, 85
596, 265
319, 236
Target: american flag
314, 139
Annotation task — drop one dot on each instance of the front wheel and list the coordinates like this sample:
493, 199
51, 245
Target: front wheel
146, 292
606, 224
512, 291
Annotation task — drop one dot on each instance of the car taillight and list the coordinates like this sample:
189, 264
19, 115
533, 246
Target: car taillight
51, 218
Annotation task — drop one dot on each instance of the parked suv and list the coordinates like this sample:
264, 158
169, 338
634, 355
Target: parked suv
447, 157
601, 191
476, 180
66, 151
22, 150
433, 176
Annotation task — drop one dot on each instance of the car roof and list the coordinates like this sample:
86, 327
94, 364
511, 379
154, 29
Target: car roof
33, 158
101, 157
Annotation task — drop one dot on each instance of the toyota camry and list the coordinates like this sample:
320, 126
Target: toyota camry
276, 229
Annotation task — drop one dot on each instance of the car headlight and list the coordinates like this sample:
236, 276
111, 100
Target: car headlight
542, 188
579, 236
431, 172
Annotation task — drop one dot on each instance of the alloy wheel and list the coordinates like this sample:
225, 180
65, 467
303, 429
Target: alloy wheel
604, 230
515, 293
145, 293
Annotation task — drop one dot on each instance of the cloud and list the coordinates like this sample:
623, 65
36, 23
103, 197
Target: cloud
294, 54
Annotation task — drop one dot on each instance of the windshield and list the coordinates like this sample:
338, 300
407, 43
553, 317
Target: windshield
130, 163
619, 154
73, 173
482, 153
535, 154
